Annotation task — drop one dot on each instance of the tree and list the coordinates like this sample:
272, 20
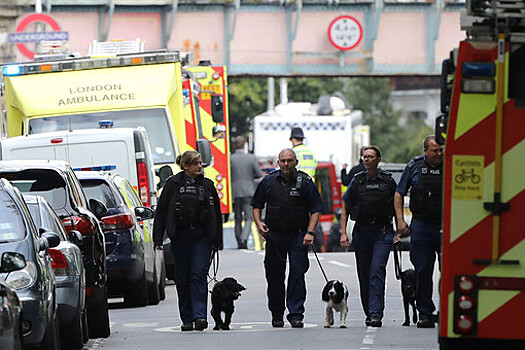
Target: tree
247, 98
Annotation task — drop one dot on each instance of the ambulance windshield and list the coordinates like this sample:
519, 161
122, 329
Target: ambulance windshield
154, 120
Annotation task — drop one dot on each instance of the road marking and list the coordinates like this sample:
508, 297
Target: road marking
339, 263
369, 338
239, 327
138, 324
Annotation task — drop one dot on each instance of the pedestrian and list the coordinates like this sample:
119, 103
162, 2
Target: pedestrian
244, 170
333, 242
293, 207
423, 177
346, 178
189, 212
369, 201
306, 158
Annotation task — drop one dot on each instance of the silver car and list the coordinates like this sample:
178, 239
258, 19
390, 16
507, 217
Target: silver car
68, 268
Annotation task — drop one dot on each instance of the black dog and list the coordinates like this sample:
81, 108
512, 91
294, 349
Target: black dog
222, 296
335, 294
408, 287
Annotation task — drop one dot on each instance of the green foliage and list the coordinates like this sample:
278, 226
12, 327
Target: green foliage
247, 98
310, 89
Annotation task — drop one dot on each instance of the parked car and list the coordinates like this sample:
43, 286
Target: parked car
35, 283
69, 273
56, 182
10, 304
135, 267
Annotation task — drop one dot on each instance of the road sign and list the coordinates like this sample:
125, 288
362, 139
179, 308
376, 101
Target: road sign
34, 18
345, 32
27, 37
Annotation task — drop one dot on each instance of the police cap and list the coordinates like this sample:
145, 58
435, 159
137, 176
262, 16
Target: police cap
297, 133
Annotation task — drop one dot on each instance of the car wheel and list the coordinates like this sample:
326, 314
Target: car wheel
162, 283
137, 293
73, 335
51, 339
153, 289
98, 316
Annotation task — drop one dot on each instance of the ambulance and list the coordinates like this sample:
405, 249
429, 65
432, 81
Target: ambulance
482, 299
129, 89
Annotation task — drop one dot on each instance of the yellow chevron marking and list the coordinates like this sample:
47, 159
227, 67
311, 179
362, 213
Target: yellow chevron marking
473, 108
464, 214
491, 300
516, 271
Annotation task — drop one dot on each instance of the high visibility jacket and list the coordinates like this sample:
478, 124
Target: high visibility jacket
307, 162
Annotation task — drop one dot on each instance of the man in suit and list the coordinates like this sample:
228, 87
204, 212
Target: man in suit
244, 170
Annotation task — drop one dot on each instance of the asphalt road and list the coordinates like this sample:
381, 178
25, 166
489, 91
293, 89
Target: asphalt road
158, 327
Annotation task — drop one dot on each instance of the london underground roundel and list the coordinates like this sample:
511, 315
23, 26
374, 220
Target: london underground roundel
345, 32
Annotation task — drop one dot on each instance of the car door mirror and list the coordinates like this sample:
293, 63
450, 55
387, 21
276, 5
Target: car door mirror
52, 239
98, 208
144, 213
163, 173
76, 238
204, 148
12, 261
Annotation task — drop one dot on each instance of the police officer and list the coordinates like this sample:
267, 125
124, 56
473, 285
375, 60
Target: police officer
369, 200
307, 162
293, 207
189, 212
423, 176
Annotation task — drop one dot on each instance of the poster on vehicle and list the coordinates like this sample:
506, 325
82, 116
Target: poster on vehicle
467, 177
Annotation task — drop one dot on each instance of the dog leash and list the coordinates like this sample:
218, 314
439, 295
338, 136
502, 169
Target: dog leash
214, 264
397, 259
319, 262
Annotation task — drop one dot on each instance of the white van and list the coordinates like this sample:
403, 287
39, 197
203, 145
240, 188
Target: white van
123, 150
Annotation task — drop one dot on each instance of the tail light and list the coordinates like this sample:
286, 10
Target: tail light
142, 173
118, 222
466, 304
465, 324
79, 223
59, 263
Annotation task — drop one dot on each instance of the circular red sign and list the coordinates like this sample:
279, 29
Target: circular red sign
34, 17
345, 32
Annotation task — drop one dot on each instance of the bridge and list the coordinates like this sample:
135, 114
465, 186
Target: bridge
272, 37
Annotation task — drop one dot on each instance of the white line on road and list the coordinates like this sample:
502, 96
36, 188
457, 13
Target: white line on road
369, 338
339, 263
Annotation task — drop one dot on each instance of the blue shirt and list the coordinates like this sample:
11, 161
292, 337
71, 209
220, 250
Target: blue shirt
410, 176
313, 199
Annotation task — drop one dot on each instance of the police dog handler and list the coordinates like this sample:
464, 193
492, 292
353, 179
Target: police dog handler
370, 202
293, 207
189, 212
424, 177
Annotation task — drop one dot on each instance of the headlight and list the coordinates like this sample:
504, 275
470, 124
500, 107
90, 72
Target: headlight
22, 278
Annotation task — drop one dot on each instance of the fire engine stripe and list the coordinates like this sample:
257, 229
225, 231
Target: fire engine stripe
516, 253
492, 301
464, 214
505, 322
473, 108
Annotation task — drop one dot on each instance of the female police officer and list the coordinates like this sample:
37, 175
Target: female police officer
370, 202
189, 212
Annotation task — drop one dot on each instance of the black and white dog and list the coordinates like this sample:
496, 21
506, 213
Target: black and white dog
223, 294
335, 294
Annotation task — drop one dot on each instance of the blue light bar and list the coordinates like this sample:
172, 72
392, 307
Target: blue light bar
476, 69
11, 70
185, 92
105, 124
97, 168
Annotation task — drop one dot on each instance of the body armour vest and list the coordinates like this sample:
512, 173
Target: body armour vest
425, 196
190, 206
286, 208
374, 203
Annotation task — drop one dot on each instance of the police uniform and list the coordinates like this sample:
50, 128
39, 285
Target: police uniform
189, 212
425, 184
288, 205
370, 202
307, 162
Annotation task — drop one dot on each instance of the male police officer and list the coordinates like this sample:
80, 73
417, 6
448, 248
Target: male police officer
423, 175
293, 207
307, 162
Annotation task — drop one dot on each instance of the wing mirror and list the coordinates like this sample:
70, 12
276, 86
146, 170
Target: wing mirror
76, 238
12, 261
49, 240
163, 173
98, 208
217, 108
204, 148
144, 213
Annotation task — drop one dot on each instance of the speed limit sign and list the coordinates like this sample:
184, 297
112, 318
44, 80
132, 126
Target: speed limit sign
345, 32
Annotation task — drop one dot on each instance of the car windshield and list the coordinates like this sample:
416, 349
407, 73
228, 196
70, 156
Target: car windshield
47, 220
98, 189
12, 226
154, 120
44, 182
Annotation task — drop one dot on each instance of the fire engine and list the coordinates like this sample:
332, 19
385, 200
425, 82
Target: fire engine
483, 256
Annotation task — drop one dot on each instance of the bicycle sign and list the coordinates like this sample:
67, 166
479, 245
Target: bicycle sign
468, 177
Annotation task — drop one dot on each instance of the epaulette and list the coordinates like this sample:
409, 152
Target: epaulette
273, 172
386, 173
303, 174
